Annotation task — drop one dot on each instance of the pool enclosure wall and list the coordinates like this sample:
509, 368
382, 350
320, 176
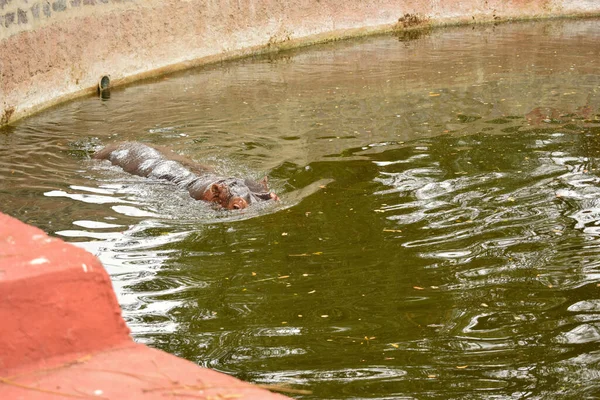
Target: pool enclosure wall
52, 51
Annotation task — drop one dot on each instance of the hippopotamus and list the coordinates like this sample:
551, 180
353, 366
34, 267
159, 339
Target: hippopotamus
200, 181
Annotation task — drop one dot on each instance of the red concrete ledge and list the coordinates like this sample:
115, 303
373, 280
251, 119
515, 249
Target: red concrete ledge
63, 335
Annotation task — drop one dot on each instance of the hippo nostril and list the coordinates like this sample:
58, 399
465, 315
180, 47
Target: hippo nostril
237, 204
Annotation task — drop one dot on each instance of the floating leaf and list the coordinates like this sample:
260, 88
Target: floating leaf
418, 288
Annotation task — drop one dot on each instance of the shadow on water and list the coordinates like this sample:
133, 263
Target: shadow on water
438, 230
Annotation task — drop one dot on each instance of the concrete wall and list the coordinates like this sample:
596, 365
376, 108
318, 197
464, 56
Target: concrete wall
63, 336
54, 50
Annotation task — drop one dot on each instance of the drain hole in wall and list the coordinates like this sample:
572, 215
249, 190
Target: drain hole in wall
104, 87
104, 83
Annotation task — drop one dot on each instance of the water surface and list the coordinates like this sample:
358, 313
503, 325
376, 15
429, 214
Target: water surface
439, 229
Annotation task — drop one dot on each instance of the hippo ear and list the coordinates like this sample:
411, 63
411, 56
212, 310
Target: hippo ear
264, 182
216, 189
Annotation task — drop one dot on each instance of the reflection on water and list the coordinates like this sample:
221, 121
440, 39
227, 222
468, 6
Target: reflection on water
439, 229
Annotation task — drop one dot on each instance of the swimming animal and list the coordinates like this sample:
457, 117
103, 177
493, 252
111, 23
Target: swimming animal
200, 181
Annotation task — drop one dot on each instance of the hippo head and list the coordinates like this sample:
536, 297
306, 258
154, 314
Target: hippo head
236, 194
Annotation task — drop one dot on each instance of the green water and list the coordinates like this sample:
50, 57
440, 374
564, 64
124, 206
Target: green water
439, 229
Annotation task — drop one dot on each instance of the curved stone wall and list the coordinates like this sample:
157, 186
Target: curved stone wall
54, 50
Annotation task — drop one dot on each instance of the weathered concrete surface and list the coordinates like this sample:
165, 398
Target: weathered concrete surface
63, 336
55, 50
55, 298
130, 372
